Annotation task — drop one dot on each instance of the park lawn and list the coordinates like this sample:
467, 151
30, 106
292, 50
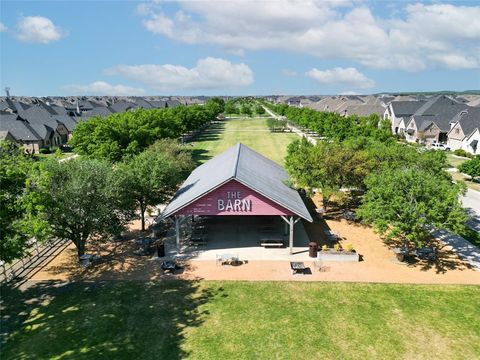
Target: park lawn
252, 132
240, 320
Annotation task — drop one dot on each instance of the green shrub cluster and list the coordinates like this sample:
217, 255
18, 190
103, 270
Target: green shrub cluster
463, 153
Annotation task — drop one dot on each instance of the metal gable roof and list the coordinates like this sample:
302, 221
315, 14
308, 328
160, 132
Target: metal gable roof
247, 167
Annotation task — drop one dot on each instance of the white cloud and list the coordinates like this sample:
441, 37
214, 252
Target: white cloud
38, 29
456, 61
103, 88
3, 28
341, 76
288, 72
209, 73
414, 38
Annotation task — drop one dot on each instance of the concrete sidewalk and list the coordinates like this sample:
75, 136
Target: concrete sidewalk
471, 202
465, 250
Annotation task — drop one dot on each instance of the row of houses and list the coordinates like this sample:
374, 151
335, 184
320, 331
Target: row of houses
49, 122
437, 120
450, 120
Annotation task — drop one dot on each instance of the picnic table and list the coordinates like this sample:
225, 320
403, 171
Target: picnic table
297, 267
227, 259
426, 253
170, 266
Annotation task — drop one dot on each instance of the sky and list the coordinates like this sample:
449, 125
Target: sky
238, 47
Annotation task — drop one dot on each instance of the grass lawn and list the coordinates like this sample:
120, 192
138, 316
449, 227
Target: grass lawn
252, 132
459, 177
455, 161
240, 320
48, 156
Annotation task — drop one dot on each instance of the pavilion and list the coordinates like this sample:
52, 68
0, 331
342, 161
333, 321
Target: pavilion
237, 182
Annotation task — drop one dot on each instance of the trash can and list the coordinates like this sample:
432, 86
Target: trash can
312, 249
161, 249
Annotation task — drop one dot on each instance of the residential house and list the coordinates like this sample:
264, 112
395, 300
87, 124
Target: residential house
122, 106
432, 121
19, 131
399, 113
49, 130
464, 133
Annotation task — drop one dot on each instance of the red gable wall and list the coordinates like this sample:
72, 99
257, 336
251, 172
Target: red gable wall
234, 198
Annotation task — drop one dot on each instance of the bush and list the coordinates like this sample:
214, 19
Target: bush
337, 247
324, 248
44, 150
463, 153
471, 167
349, 247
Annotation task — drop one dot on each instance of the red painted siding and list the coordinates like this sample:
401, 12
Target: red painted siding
234, 198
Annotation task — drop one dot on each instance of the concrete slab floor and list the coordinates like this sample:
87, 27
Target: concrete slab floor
240, 236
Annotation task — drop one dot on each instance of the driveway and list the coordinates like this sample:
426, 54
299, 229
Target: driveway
471, 202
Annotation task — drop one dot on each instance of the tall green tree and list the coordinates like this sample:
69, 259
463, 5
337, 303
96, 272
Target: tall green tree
14, 168
327, 166
150, 178
230, 107
245, 109
406, 203
81, 200
215, 106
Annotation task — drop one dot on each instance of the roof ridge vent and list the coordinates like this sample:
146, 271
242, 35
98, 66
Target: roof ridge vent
237, 160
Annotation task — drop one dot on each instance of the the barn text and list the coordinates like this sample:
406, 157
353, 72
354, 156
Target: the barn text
234, 202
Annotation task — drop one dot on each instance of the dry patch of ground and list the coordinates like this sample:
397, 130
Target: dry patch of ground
378, 264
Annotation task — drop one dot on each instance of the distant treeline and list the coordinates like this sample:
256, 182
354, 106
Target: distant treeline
334, 126
117, 135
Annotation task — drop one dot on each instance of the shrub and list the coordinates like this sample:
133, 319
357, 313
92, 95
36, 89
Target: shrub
471, 167
461, 152
337, 247
324, 248
349, 247
44, 150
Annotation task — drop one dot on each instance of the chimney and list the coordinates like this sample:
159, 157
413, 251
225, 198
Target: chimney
7, 91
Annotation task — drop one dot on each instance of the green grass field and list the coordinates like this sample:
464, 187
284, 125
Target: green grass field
252, 132
240, 320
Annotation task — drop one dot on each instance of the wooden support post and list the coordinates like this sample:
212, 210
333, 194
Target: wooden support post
290, 242
177, 232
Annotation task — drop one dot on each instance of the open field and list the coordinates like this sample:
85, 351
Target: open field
252, 132
240, 320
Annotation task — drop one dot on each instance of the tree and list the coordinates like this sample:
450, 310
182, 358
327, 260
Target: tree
81, 200
327, 166
259, 110
245, 109
471, 167
406, 203
215, 106
14, 168
151, 177
125, 134
230, 107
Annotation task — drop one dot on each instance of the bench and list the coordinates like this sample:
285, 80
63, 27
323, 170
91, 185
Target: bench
271, 242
